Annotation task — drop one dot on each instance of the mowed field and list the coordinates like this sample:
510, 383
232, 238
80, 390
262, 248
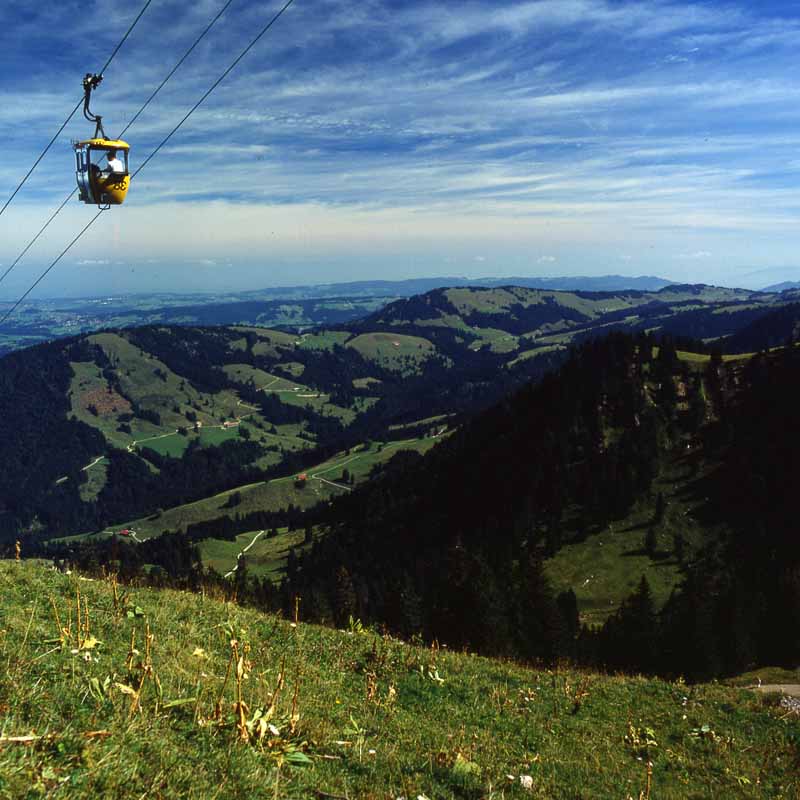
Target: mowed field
175, 444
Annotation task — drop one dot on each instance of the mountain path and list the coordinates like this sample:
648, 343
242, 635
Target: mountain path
242, 552
790, 689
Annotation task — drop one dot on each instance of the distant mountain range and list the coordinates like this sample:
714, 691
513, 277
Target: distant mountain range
296, 308
782, 287
89, 399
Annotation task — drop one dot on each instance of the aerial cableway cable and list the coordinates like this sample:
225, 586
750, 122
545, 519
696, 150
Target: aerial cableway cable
44, 274
175, 68
133, 119
72, 113
191, 111
214, 85
35, 238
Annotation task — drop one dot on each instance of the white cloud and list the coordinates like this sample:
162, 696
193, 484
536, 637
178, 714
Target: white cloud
520, 123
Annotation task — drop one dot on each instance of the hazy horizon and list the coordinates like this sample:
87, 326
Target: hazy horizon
419, 139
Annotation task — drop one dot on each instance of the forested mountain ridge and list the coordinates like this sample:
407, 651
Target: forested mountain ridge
104, 428
524, 321
148, 418
295, 308
453, 544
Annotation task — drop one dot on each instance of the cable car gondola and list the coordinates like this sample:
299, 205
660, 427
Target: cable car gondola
101, 163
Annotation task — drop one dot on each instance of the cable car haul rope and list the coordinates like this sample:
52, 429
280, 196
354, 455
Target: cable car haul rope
105, 187
72, 113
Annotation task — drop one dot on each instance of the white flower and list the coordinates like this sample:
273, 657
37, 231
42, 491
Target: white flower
526, 782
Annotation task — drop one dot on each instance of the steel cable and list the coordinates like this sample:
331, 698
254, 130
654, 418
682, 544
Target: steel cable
72, 113
191, 111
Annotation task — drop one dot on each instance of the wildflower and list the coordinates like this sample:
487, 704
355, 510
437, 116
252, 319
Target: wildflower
526, 782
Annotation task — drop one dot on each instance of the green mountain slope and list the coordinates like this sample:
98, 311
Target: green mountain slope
628, 461
523, 321
164, 694
158, 417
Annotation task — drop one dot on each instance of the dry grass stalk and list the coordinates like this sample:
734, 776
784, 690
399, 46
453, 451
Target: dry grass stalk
62, 631
645, 795
78, 628
146, 668
132, 651
295, 717
241, 709
218, 704
115, 592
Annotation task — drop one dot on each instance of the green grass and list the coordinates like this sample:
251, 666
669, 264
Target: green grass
242, 373
373, 717
365, 383
95, 480
391, 349
437, 420
324, 340
766, 675
496, 340
269, 342
524, 356
173, 445
318, 402
265, 559
271, 496
607, 567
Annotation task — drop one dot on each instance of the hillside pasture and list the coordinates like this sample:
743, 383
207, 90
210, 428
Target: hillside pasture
496, 340
244, 373
269, 342
607, 566
392, 350
373, 716
263, 496
266, 558
323, 340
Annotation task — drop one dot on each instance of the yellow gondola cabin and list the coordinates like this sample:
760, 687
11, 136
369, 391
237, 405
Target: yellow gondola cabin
101, 163
102, 171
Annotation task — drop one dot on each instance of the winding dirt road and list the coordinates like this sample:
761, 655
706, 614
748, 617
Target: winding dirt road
242, 552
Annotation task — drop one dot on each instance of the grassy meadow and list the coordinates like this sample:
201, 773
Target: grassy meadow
155, 693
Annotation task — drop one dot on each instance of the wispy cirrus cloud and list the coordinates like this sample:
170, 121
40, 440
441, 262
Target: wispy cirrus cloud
593, 120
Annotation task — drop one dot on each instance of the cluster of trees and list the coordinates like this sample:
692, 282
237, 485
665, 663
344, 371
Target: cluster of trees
452, 545
132, 489
230, 527
40, 444
770, 330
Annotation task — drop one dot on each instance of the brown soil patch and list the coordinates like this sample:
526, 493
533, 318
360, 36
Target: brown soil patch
105, 402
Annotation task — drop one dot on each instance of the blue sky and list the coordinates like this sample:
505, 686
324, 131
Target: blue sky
395, 139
